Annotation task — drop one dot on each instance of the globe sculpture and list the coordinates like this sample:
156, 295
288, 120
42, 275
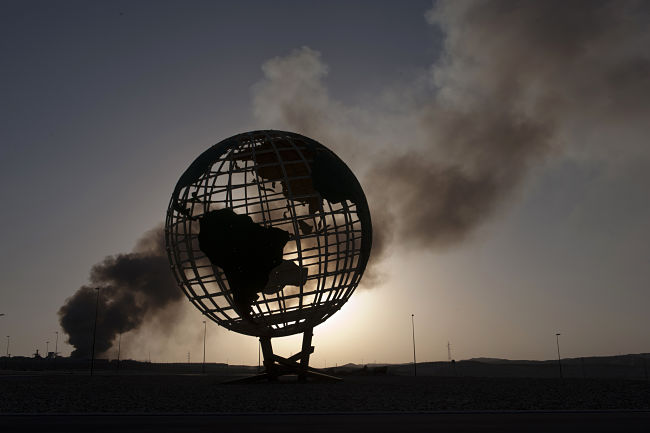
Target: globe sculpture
268, 234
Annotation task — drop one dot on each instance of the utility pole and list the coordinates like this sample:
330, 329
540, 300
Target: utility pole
448, 351
119, 348
7, 358
205, 330
56, 344
415, 365
92, 362
47, 349
559, 360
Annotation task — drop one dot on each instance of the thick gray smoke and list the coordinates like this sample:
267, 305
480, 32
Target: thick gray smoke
134, 288
516, 81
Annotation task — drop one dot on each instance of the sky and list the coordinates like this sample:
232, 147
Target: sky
503, 147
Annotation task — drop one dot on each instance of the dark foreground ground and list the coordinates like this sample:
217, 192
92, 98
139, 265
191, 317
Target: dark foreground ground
77, 393
65, 402
555, 422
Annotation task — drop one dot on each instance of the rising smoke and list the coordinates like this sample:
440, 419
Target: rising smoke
516, 81
134, 288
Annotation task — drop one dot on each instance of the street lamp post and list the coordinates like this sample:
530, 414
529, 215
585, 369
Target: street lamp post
56, 344
47, 349
92, 362
559, 360
7, 358
205, 329
415, 365
119, 347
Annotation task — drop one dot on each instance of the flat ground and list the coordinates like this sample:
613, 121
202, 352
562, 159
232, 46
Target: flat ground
538, 422
141, 394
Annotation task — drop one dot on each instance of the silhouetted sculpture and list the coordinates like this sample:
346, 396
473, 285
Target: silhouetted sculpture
268, 234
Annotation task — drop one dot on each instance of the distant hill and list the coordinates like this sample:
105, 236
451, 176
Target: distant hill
613, 359
632, 366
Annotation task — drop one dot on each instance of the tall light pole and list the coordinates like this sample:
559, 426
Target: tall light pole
205, 330
2, 314
119, 347
415, 365
47, 349
92, 362
559, 360
56, 344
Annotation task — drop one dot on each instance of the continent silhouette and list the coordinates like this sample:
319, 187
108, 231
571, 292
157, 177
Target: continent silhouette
248, 253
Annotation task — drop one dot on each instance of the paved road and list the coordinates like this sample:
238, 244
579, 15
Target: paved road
501, 422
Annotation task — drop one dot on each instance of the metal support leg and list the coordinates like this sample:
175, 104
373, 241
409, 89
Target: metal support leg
269, 362
307, 349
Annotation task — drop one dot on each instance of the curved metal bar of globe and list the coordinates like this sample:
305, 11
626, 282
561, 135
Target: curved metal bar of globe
185, 211
297, 364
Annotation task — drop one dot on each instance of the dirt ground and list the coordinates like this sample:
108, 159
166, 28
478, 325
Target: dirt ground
77, 393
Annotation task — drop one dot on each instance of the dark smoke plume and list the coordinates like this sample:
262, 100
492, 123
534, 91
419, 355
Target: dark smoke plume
516, 81
134, 288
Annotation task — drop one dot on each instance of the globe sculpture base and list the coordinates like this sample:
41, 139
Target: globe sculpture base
297, 364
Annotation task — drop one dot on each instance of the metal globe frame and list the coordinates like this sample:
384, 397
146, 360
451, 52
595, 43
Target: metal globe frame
277, 179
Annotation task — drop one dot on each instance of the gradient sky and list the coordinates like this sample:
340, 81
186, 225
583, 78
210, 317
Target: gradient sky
105, 103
